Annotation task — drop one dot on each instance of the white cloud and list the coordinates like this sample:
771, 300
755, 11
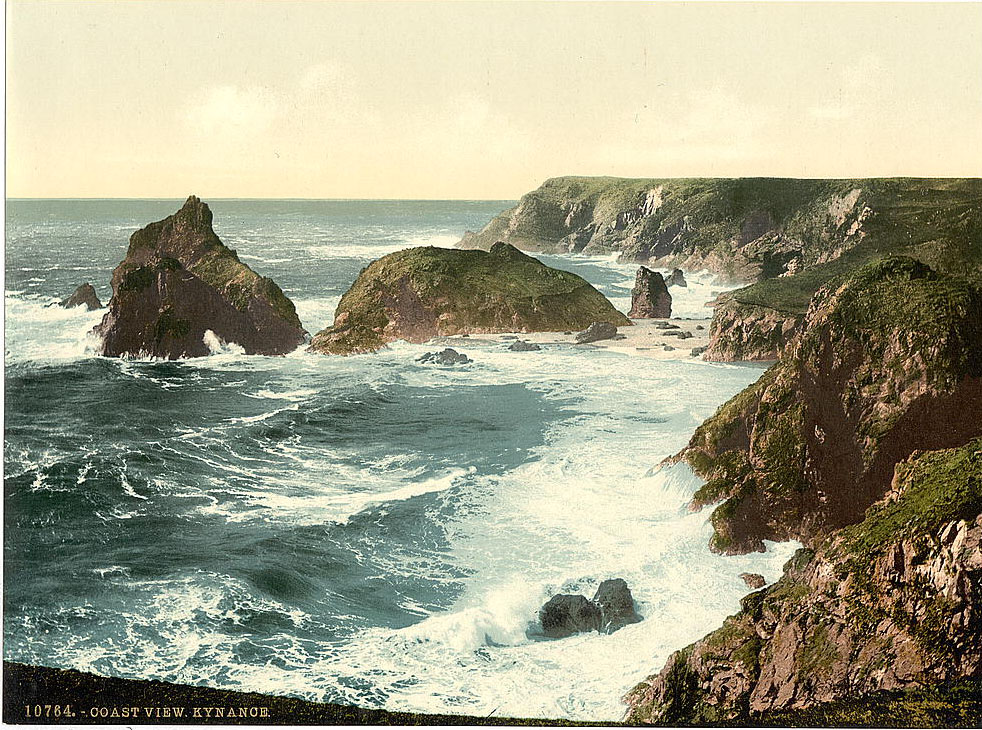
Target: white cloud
233, 110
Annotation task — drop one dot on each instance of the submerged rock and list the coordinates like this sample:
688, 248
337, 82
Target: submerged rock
676, 278
649, 297
83, 295
523, 346
179, 281
421, 293
596, 332
447, 356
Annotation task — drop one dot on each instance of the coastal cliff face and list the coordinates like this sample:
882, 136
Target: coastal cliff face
748, 332
421, 293
178, 281
744, 229
887, 363
893, 602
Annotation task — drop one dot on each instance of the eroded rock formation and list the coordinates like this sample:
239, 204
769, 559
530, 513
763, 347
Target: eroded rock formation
179, 281
649, 297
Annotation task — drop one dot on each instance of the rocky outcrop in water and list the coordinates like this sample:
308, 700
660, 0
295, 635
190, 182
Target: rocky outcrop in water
676, 278
85, 296
649, 297
421, 293
179, 281
523, 346
893, 602
446, 356
612, 608
887, 363
596, 332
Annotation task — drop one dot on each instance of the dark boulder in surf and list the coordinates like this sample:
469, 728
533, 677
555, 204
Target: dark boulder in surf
567, 614
616, 604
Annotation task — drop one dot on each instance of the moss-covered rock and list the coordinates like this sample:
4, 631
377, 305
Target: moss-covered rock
420, 293
178, 281
892, 603
885, 363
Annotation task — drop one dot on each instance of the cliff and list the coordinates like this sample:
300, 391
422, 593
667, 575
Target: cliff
887, 363
788, 237
421, 293
743, 229
178, 280
893, 602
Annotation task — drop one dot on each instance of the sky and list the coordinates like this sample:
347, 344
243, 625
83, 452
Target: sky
478, 100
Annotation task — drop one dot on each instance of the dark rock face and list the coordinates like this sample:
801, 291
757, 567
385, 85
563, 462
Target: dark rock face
425, 292
697, 351
179, 281
649, 297
567, 614
522, 346
676, 278
753, 580
612, 608
447, 356
83, 295
888, 362
616, 604
890, 603
596, 332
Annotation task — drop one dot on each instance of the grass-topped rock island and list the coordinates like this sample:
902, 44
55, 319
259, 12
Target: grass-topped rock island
422, 293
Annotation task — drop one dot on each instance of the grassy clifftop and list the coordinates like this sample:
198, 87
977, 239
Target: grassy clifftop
749, 228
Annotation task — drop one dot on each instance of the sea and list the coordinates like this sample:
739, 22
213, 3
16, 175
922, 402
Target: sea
370, 530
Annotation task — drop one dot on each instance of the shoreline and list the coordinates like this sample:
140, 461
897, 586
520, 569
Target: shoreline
647, 338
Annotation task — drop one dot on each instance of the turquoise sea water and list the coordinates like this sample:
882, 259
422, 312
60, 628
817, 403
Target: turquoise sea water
369, 529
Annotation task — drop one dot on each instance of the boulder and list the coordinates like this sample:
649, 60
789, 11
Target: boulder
567, 614
421, 293
178, 281
447, 356
596, 332
753, 580
697, 351
649, 297
522, 346
85, 296
676, 278
616, 604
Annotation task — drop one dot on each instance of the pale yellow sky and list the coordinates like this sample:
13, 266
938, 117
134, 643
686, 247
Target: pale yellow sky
479, 100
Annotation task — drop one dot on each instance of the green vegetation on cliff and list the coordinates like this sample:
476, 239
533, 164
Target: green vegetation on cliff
420, 293
888, 361
879, 618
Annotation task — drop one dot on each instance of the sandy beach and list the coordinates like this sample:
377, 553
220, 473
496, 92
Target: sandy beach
654, 338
